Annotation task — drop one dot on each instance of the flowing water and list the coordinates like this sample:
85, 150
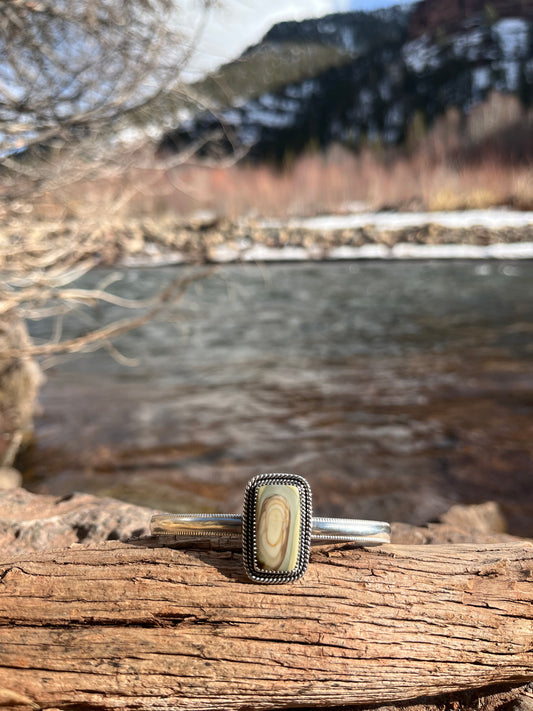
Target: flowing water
396, 388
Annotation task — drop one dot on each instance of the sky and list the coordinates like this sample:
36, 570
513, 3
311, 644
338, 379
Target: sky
234, 25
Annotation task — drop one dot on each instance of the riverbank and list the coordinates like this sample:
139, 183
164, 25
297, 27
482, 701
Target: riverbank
168, 239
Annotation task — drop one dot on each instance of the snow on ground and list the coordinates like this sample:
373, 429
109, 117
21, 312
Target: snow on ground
403, 250
262, 254
492, 218
247, 251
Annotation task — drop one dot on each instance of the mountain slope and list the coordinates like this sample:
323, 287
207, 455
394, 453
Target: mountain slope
377, 77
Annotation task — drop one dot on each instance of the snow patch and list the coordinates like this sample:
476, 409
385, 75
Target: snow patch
469, 44
262, 253
511, 70
512, 36
255, 113
480, 79
367, 251
421, 54
301, 91
492, 218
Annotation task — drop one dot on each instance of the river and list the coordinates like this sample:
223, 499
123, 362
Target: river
396, 388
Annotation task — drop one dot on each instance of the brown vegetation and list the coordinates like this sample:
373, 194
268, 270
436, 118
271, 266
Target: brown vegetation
316, 183
480, 160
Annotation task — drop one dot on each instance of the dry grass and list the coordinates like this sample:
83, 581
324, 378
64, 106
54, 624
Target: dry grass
317, 183
480, 161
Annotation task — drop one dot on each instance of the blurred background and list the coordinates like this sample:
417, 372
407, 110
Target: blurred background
237, 240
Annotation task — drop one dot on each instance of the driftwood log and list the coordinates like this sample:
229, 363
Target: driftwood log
132, 623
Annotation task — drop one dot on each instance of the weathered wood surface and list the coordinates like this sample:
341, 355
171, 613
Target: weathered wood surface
136, 624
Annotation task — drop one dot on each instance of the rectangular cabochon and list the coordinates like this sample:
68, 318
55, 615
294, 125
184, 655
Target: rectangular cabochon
278, 521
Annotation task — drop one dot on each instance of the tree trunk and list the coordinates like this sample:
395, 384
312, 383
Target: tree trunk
146, 625
20, 378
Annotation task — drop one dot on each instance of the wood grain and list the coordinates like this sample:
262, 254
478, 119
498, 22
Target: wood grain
142, 625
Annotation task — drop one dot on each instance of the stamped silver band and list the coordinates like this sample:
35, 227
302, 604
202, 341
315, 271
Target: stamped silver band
366, 533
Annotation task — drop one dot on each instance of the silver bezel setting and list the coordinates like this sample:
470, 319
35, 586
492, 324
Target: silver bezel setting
249, 538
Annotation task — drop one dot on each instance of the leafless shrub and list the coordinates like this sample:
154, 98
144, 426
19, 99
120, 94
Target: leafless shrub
74, 76
50, 294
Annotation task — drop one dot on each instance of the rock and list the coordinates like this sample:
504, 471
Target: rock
196, 240
524, 702
485, 518
31, 522
480, 523
9, 478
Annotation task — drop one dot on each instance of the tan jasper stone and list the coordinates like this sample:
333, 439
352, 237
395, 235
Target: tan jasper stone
278, 527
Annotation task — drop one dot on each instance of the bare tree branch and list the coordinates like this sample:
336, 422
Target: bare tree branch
99, 336
74, 76
70, 64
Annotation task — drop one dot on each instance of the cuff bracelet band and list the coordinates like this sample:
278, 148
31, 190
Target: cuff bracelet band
276, 527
